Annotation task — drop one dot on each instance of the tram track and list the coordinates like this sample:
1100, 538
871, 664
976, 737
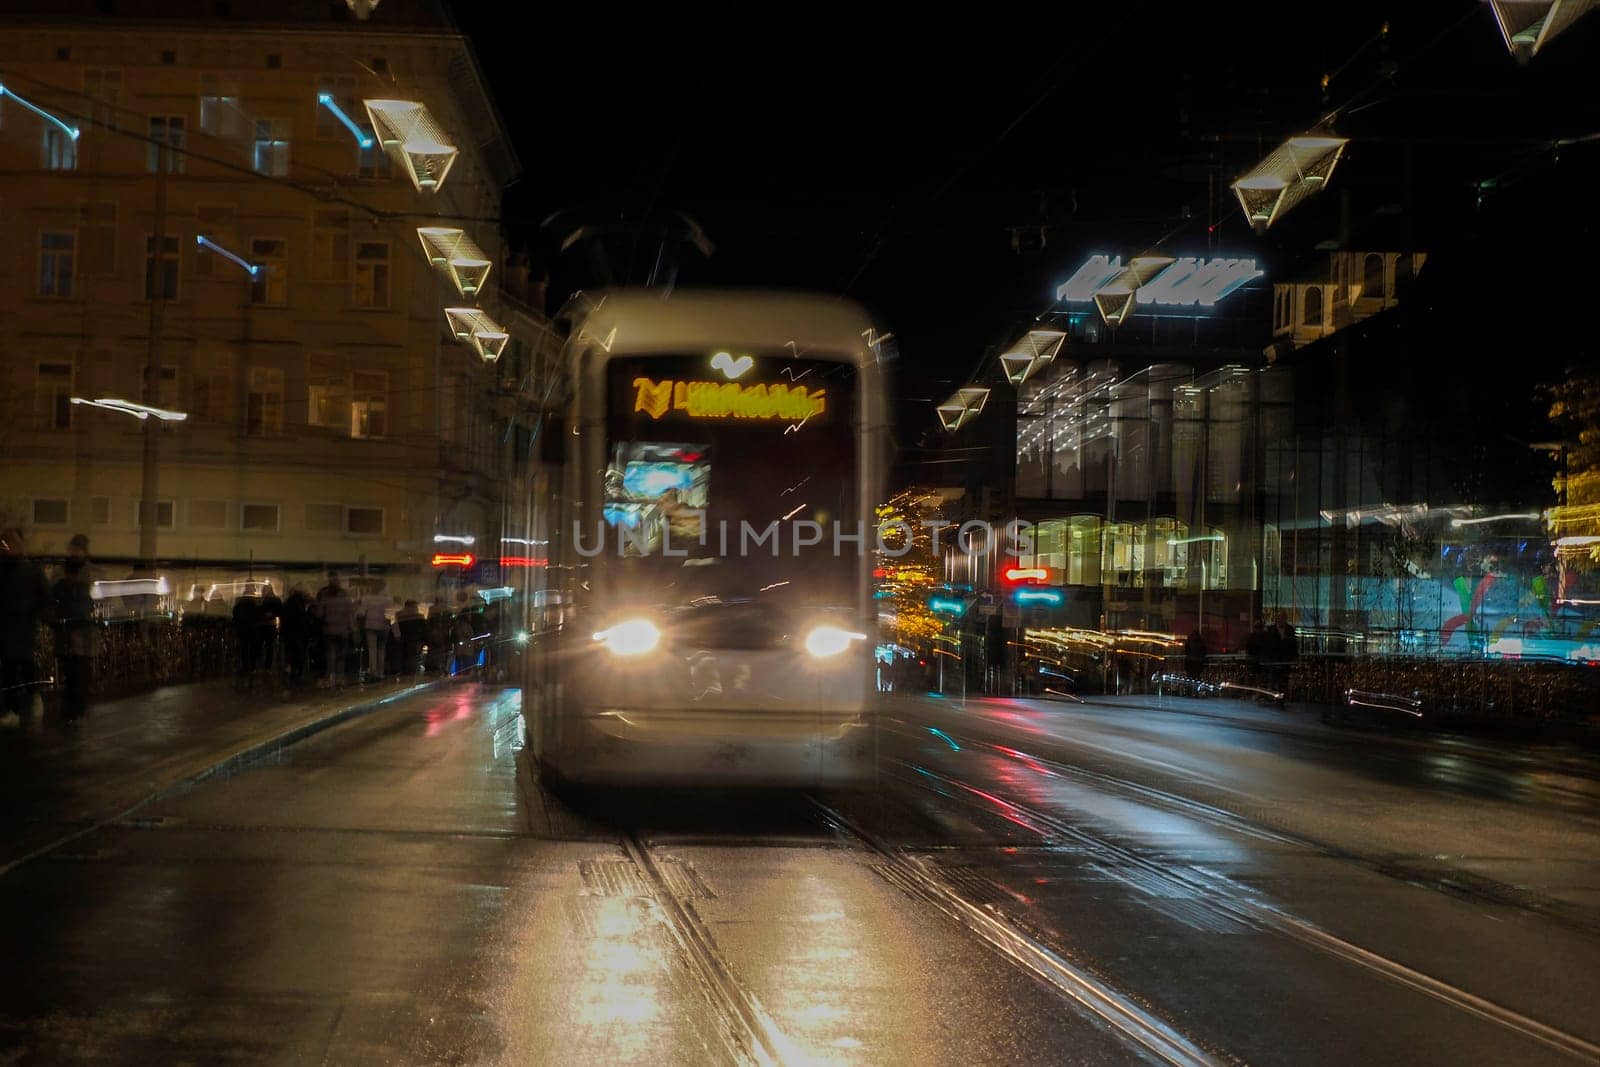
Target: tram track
1231, 900
1430, 876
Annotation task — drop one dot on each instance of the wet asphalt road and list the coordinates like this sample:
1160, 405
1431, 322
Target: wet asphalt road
1202, 880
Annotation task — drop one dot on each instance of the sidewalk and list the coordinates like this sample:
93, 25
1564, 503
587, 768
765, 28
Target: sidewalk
56, 784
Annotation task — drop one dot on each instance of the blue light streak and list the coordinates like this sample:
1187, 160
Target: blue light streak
70, 131
361, 136
946, 738
1039, 596
205, 242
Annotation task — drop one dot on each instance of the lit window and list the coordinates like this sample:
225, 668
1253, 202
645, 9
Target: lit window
1311, 313
264, 402
50, 512
53, 396
58, 151
272, 147
161, 269
270, 286
56, 256
220, 113
372, 275
369, 404
258, 518
166, 138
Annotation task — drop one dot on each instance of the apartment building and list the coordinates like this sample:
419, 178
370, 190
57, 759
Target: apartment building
202, 189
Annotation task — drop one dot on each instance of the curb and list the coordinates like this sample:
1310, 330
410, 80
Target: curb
241, 757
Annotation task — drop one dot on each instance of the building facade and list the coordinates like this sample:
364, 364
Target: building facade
208, 197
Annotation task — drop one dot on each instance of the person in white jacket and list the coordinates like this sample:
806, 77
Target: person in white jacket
374, 609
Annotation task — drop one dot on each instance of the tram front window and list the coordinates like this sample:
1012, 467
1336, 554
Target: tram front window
724, 490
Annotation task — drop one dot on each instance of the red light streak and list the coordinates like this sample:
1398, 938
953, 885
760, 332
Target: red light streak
524, 561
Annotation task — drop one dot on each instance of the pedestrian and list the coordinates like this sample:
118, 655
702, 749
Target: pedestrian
295, 624
1288, 649
247, 633
24, 598
441, 627
271, 620
1255, 651
1194, 656
72, 611
338, 615
374, 611
413, 634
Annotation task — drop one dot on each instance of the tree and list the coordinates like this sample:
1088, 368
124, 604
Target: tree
1575, 414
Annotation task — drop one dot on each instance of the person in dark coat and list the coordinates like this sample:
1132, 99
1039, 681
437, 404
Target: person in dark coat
247, 631
295, 625
24, 598
271, 616
413, 634
1194, 655
1286, 647
441, 634
72, 611
1255, 651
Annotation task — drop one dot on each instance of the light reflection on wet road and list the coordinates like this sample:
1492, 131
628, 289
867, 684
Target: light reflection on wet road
399, 890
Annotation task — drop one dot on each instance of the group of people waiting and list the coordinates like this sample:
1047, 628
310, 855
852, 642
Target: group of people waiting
29, 601
334, 636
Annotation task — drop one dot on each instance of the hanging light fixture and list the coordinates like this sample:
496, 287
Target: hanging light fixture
962, 407
1116, 299
1293, 171
1033, 350
456, 256
1528, 25
474, 327
411, 137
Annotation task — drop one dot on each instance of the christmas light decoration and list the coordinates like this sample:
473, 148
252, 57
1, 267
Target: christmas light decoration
363, 138
128, 407
65, 127
962, 407
455, 255
1033, 350
1528, 25
1115, 300
413, 139
1293, 171
203, 241
472, 326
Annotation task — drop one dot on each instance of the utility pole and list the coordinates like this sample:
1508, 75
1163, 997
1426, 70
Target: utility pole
149, 482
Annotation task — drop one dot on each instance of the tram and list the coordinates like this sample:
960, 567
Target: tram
710, 617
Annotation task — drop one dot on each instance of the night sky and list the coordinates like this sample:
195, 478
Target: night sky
948, 173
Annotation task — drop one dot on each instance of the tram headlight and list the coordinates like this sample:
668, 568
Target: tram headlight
634, 637
825, 641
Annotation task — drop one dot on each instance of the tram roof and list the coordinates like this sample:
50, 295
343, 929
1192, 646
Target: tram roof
687, 320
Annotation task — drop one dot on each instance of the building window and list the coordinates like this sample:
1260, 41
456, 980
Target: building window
216, 223
208, 514
270, 286
330, 252
220, 113
1311, 313
164, 514
369, 404
258, 518
343, 91
272, 147
56, 256
166, 138
50, 512
264, 403
97, 232
374, 161
212, 390
58, 151
104, 87
372, 274
325, 518
161, 269
53, 397
1372, 276
167, 388
328, 405
100, 510
367, 522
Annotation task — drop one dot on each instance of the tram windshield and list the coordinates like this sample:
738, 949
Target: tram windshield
728, 476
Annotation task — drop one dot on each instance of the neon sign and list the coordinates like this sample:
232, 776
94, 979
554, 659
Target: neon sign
728, 400
453, 559
1186, 282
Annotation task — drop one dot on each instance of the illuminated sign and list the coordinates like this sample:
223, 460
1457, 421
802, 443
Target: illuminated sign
1185, 282
1052, 597
1026, 574
453, 559
728, 400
